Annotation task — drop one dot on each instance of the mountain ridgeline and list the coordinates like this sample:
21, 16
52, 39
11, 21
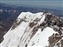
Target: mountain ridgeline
9, 13
35, 29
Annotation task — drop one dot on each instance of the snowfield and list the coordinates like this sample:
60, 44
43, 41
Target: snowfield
22, 34
41, 37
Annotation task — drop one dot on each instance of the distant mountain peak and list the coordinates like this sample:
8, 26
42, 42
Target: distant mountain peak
35, 29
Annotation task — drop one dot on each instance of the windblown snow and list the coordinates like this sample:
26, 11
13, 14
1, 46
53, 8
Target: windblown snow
22, 34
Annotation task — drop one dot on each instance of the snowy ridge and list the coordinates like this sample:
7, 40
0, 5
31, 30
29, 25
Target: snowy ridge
30, 30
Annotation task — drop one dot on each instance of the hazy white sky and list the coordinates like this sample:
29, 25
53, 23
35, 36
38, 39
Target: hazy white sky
57, 3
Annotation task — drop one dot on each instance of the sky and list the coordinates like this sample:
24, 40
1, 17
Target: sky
52, 3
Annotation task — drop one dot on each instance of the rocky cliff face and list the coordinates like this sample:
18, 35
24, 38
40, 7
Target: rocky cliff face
38, 29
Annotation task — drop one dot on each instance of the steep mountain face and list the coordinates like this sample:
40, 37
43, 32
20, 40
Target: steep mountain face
9, 13
38, 29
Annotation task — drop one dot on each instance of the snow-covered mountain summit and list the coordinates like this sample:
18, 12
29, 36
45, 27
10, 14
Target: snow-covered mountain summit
34, 30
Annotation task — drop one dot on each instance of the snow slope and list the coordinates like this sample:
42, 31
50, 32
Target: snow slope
27, 32
41, 37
